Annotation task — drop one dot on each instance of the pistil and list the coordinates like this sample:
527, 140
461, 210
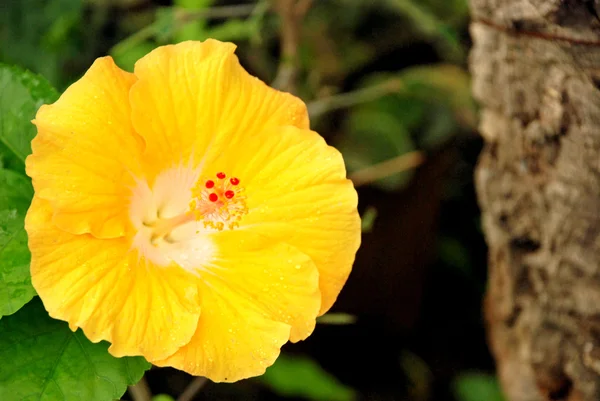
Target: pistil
163, 227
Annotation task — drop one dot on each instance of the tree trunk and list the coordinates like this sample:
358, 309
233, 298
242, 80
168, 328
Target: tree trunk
536, 73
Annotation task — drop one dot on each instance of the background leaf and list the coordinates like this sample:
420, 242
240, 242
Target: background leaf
195, 30
41, 35
162, 397
298, 376
15, 191
432, 105
15, 280
337, 318
21, 94
477, 387
48, 362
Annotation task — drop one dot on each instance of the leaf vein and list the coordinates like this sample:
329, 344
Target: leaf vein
50, 376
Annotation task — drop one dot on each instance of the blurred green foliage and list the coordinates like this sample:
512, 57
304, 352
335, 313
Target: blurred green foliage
41, 35
477, 387
15, 281
22, 93
431, 104
337, 318
163, 397
368, 219
298, 376
189, 20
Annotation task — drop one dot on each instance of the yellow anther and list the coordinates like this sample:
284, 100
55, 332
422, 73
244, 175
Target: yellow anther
219, 203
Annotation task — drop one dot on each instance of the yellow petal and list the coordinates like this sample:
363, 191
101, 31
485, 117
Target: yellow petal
283, 281
101, 286
250, 296
86, 152
194, 95
297, 192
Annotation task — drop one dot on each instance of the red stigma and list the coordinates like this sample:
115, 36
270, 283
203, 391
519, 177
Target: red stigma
219, 202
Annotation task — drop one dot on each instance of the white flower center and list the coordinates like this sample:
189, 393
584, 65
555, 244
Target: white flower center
167, 229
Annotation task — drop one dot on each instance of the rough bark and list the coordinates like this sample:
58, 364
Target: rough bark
536, 74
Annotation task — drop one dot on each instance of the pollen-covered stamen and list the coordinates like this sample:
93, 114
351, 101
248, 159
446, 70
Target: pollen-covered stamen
219, 203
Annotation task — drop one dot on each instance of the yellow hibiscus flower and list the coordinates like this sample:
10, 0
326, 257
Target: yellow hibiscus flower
186, 212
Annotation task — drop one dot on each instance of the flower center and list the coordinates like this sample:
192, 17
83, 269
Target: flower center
218, 203
166, 230
173, 218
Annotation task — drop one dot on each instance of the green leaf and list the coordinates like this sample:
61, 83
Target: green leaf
232, 30
452, 252
428, 24
8, 160
430, 105
162, 397
48, 362
15, 280
445, 84
165, 24
42, 35
367, 220
375, 135
418, 375
194, 4
15, 191
297, 376
21, 94
126, 57
337, 319
477, 387
192, 30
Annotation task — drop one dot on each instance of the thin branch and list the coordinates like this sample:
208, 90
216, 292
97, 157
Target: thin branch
236, 11
192, 389
549, 36
140, 391
291, 13
302, 7
349, 99
430, 26
384, 169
